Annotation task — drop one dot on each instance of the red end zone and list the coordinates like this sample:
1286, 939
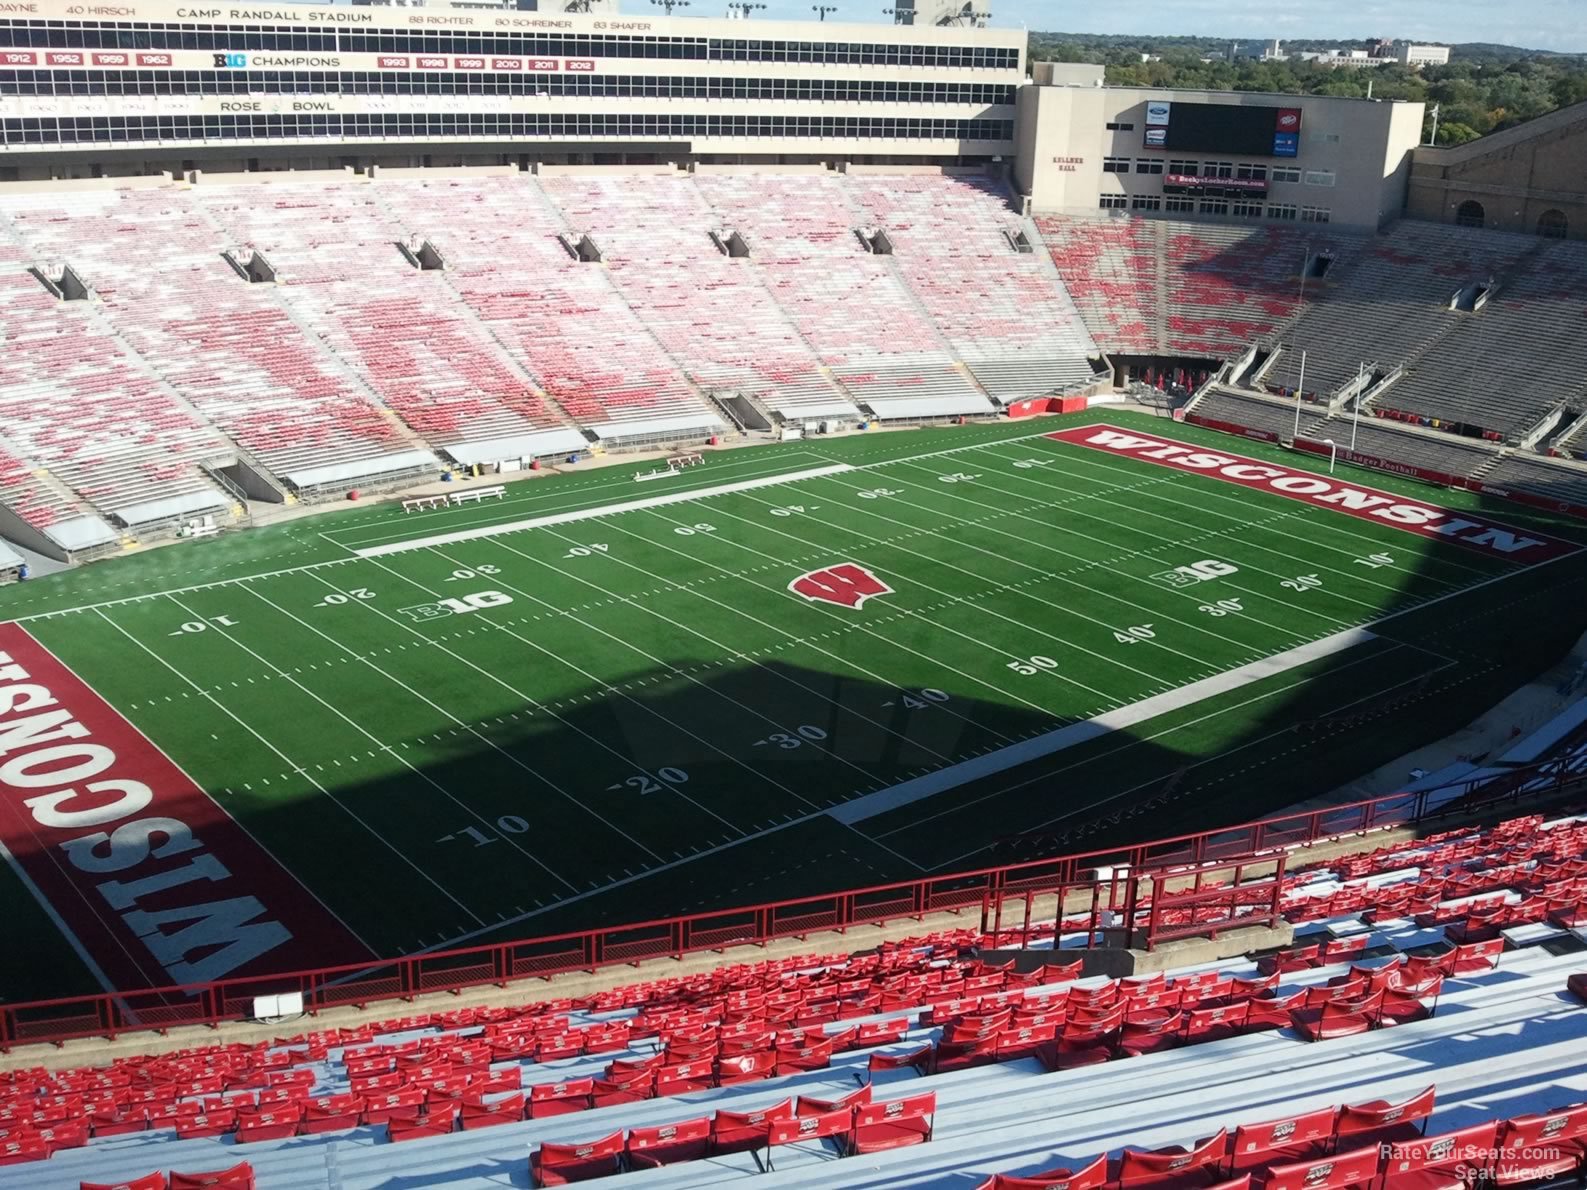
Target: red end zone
157, 883
1372, 504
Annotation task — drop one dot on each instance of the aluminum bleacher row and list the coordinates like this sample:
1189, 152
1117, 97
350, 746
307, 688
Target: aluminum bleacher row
1390, 302
1454, 960
1165, 286
354, 366
1004, 314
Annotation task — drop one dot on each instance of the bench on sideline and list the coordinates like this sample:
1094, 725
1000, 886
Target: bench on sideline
471, 496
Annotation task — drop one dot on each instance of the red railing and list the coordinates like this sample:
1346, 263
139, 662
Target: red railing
1105, 876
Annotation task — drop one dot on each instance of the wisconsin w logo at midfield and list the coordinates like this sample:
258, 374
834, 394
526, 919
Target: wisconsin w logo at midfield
847, 584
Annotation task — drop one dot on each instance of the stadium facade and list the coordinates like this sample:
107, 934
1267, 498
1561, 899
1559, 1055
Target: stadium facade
156, 87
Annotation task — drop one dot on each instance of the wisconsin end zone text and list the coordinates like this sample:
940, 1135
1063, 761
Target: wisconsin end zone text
157, 884
1389, 508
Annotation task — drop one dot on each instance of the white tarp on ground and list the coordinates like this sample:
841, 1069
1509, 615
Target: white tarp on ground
524, 446
702, 421
9, 558
173, 506
930, 406
405, 460
585, 514
80, 533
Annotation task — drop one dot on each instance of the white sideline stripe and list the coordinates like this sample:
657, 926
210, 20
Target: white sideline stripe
584, 514
872, 805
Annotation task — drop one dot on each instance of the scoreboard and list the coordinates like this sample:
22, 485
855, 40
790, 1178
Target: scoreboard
1223, 128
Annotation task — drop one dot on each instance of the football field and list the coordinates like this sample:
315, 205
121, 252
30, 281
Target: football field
789, 669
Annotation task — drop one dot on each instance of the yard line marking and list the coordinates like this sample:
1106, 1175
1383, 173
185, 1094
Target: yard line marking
605, 686
268, 744
632, 601
1239, 524
1135, 741
999, 588
1339, 523
1332, 593
905, 793
722, 752
1045, 575
585, 514
1000, 691
467, 808
797, 641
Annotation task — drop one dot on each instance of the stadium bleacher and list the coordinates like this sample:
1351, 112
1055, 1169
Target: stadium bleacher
710, 310
1003, 311
232, 353
1390, 302
1172, 287
851, 305
400, 329
343, 364
1451, 960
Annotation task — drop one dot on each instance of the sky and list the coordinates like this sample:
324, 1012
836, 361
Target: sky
1535, 24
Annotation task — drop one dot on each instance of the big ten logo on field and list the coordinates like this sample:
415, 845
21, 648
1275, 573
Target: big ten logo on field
1196, 572
847, 584
460, 606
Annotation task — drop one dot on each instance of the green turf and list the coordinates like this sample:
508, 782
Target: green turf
654, 724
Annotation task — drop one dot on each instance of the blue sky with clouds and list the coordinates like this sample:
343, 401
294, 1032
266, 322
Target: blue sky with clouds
1538, 24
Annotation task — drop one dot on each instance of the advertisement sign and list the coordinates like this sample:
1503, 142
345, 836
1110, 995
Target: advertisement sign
1156, 138
1286, 144
1157, 113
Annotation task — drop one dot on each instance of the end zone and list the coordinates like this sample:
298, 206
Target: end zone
1394, 509
152, 879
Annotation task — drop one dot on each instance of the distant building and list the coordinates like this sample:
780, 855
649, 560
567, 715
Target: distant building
1423, 55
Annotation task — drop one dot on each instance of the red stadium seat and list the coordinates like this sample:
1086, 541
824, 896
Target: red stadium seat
1449, 1161
820, 1105
1174, 1166
807, 1128
1535, 1148
560, 1164
667, 1144
507, 1110
437, 1119
738, 1132
1294, 1138
149, 1181
559, 1099
238, 1177
275, 1122
333, 1113
916, 1059
880, 1126
1356, 1168
1089, 1177
1578, 986
1379, 1122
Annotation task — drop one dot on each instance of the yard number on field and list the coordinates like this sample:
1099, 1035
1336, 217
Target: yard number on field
691, 530
1375, 561
795, 737
507, 824
193, 626
336, 598
584, 551
643, 783
1223, 607
1134, 636
914, 700
1026, 666
1302, 582
458, 576
957, 477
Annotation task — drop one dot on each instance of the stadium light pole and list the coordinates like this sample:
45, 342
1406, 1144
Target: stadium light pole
1300, 387
743, 8
1355, 421
821, 10
669, 5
